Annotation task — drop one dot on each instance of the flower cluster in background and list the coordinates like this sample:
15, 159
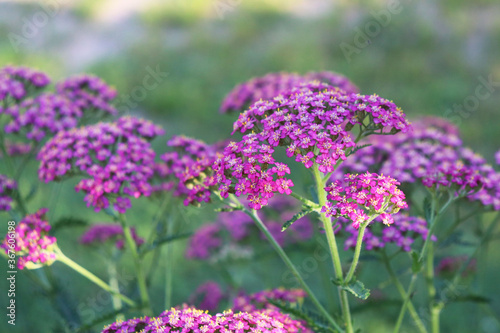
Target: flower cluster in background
101, 233
16, 82
194, 320
7, 185
272, 84
115, 159
362, 196
312, 121
187, 170
431, 154
260, 300
231, 234
33, 245
449, 266
207, 296
403, 232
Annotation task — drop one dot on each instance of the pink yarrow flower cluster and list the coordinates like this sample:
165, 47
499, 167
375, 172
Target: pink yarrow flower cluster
207, 296
313, 123
194, 320
115, 159
101, 233
16, 82
187, 170
272, 84
362, 196
260, 300
7, 186
33, 245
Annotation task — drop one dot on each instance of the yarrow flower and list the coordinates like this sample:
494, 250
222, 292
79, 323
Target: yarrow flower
272, 84
432, 154
16, 82
449, 266
231, 234
363, 196
100, 233
207, 296
33, 246
403, 232
194, 320
260, 300
7, 186
187, 170
313, 123
16, 148
115, 159
89, 92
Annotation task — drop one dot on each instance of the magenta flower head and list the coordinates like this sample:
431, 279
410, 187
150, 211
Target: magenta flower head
31, 242
207, 296
16, 83
313, 123
115, 159
497, 157
273, 84
364, 196
7, 186
187, 170
101, 233
194, 320
403, 233
89, 92
449, 266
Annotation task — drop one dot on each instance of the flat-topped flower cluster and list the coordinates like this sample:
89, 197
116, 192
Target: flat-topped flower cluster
313, 122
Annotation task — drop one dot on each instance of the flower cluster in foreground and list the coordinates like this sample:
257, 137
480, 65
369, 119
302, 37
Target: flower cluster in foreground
313, 122
187, 170
33, 245
100, 233
15, 82
115, 159
193, 320
272, 84
432, 154
403, 232
7, 185
362, 196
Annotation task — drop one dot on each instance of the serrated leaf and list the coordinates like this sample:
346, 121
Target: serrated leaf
356, 149
416, 264
427, 208
357, 288
69, 222
299, 215
164, 240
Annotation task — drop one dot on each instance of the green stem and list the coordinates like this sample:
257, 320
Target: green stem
253, 215
357, 250
113, 283
406, 301
304, 200
84, 272
334, 252
402, 293
141, 279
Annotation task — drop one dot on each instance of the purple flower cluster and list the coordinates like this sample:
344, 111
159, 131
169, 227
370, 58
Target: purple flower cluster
15, 82
193, 320
273, 84
207, 296
33, 246
7, 185
448, 266
88, 92
497, 157
313, 122
232, 231
364, 193
260, 300
100, 233
403, 232
187, 170
116, 160
16, 148
431, 154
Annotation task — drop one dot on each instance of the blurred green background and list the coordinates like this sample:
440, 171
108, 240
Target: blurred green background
427, 56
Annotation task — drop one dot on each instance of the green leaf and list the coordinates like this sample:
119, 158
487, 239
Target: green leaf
164, 240
427, 208
69, 222
356, 149
305, 211
416, 264
357, 288
474, 298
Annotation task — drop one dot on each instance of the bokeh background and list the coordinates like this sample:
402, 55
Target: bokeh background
427, 56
